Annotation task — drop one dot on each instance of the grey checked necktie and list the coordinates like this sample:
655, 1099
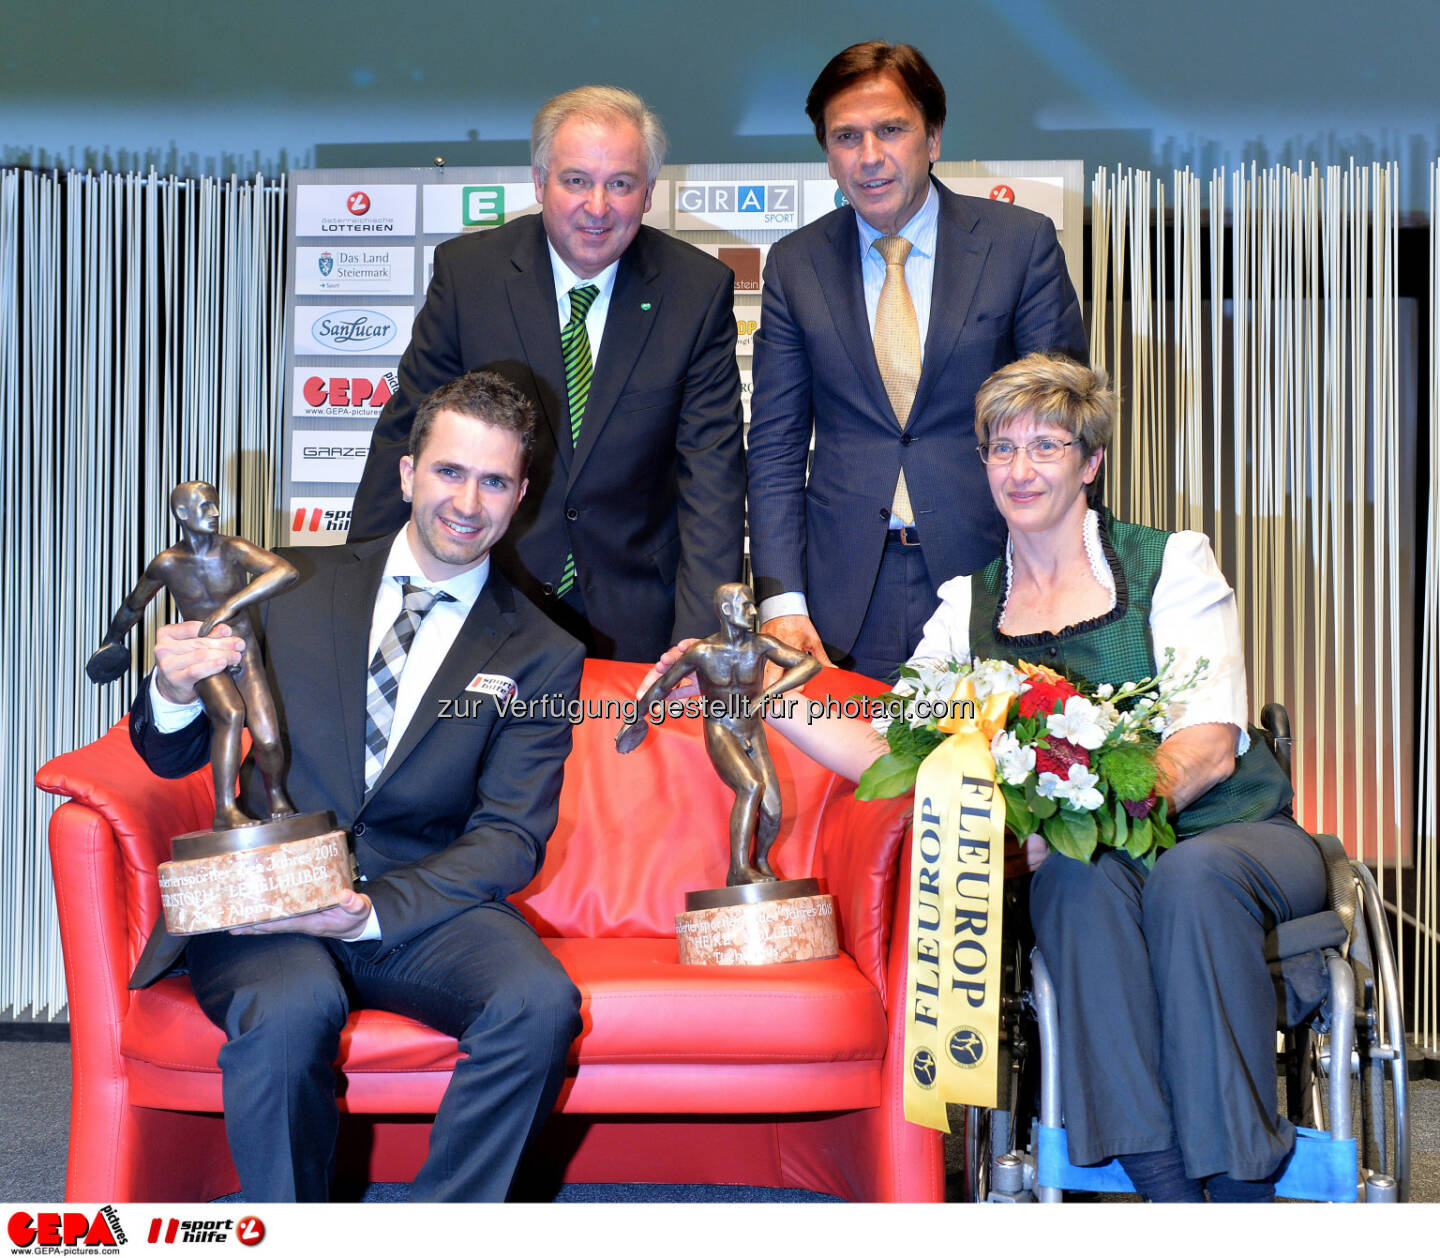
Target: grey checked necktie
385, 670
897, 348
575, 349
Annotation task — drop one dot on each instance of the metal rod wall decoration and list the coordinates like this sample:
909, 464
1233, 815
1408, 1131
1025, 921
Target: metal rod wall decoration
1275, 423
1424, 996
140, 345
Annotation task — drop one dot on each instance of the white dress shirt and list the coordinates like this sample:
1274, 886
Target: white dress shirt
921, 231
1193, 611
565, 280
432, 642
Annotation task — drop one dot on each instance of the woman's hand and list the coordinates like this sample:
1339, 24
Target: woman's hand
688, 686
1036, 850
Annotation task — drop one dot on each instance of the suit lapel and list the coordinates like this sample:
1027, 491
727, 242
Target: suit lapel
838, 270
351, 611
959, 262
485, 629
531, 291
634, 308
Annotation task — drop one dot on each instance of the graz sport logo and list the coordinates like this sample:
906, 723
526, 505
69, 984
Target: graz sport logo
922, 1067
353, 330
326, 262
966, 1047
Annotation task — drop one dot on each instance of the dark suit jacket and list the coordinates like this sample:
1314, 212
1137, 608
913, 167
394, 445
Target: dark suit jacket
464, 806
652, 503
1001, 291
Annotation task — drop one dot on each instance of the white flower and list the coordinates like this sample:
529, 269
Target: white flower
1105, 691
1081, 788
995, 677
1078, 790
1081, 723
1013, 759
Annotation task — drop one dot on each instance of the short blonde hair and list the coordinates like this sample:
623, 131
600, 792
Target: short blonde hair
603, 105
1053, 389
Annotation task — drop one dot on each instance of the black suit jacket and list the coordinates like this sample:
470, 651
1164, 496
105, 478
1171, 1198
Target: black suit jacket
652, 502
1000, 292
464, 806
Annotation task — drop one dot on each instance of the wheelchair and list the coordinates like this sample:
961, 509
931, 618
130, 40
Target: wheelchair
1343, 1062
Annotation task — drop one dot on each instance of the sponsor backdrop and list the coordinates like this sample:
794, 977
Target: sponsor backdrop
361, 248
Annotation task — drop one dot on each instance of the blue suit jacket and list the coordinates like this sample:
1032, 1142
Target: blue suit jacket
1001, 291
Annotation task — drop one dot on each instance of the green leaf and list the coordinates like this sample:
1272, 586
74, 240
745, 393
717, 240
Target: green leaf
1072, 834
1106, 823
1141, 836
1122, 827
1039, 805
887, 778
1019, 820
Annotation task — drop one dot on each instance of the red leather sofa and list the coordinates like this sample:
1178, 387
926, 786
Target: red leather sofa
785, 1076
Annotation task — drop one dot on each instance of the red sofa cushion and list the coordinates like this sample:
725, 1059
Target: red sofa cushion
638, 1004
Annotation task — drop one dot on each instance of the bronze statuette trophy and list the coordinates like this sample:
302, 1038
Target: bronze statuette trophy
246, 870
757, 918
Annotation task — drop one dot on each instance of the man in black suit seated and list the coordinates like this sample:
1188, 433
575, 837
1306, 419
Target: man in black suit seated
624, 338
450, 815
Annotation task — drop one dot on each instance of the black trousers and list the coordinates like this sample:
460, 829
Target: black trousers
483, 977
1167, 1007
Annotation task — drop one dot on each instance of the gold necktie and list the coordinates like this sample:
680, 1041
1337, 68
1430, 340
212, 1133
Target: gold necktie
897, 348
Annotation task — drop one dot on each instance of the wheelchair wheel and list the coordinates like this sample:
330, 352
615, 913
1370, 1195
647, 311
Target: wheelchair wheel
1384, 1129
989, 1133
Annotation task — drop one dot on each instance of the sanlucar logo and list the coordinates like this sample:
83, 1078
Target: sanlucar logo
353, 331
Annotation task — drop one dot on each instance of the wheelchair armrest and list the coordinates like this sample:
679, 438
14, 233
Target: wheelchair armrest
1340, 882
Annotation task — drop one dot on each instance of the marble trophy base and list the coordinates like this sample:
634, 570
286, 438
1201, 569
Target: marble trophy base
219, 879
759, 923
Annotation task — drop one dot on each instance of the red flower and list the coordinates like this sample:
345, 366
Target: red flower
1059, 756
1136, 808
1045, 697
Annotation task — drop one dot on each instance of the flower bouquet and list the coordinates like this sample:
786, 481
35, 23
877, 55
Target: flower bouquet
1075, 762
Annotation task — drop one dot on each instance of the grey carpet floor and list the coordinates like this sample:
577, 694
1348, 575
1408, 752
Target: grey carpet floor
35, 1122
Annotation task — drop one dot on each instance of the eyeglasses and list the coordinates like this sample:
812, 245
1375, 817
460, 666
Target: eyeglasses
1041, 450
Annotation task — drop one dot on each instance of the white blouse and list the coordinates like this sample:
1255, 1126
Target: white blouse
1193, 611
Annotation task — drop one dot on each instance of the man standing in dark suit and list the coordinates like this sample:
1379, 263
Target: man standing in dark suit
625, 340
424, 705
878, 325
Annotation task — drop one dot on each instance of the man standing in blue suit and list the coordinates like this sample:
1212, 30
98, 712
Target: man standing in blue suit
878, 325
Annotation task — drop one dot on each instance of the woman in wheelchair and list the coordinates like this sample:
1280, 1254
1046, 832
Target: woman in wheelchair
1167, 1007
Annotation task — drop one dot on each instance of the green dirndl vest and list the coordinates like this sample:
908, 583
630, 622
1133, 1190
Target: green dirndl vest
1117, 648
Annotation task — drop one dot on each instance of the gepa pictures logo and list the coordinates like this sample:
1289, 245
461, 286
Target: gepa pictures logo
70, 1229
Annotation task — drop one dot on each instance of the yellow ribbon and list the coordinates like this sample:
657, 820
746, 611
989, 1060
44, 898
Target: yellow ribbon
952, 1027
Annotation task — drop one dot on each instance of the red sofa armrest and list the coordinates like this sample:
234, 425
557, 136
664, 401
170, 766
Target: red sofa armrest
138, 815
859, 847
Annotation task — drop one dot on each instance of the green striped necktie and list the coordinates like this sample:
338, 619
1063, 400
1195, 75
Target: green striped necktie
575, 349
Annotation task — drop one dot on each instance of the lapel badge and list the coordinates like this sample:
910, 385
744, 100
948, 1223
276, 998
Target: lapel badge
496, 685
644, 305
